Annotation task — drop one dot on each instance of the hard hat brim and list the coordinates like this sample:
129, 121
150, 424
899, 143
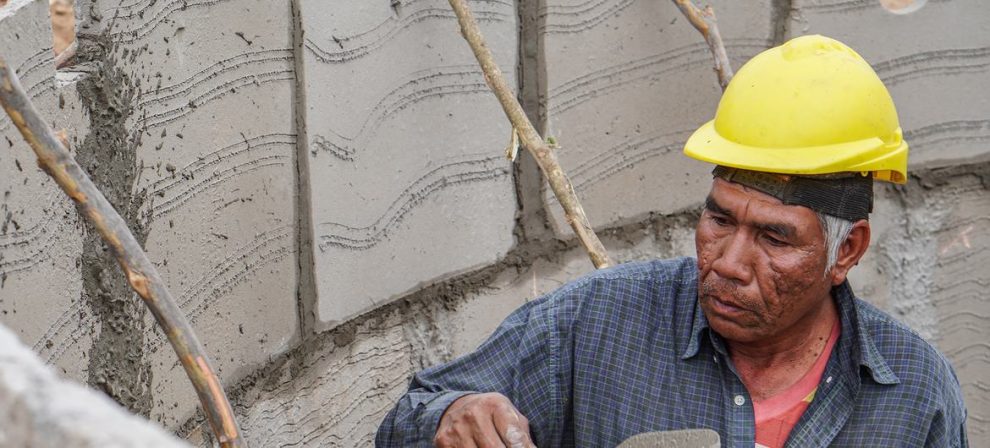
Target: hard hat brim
868, 155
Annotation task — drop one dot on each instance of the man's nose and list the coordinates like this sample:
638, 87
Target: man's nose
734, 263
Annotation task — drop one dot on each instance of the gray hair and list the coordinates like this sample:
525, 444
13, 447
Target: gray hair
836, 231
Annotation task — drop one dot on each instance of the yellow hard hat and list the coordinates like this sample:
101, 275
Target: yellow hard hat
810, 106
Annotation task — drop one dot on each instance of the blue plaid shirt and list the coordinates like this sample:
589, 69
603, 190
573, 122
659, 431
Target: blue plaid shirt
627, 350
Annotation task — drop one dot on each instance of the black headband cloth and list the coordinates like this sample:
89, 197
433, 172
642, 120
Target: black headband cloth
845, 195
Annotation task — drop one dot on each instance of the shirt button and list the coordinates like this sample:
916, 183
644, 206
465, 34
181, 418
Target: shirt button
828, 380
715, 358
739, 400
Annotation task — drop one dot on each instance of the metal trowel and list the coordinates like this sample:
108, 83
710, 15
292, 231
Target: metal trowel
685, 438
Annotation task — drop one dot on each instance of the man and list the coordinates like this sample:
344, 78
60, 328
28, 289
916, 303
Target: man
761, 338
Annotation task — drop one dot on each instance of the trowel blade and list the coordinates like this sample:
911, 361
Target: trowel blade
685, 438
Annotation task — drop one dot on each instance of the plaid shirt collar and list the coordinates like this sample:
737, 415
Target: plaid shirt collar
859, 348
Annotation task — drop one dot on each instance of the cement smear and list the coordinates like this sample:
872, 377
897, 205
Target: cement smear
910, 255
116, 361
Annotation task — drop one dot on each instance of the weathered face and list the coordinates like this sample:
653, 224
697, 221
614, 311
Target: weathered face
761, 264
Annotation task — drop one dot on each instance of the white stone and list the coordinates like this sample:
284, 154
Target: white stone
38, 409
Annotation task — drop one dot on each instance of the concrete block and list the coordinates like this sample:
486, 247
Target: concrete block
40, 233
405, 142
40, 410
212, 123
935, 61
627, 83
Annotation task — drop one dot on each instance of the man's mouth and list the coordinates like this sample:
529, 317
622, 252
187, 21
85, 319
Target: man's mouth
725, 307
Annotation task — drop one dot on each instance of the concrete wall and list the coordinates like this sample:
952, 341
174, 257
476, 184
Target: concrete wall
321, 184
385, 89
645, 91
186, 122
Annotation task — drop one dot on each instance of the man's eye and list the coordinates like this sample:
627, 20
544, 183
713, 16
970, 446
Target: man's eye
719, 221
774, 241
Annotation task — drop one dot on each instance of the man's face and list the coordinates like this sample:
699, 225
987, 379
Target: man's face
761, 264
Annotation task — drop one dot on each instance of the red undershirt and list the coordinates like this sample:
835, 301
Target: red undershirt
777, 415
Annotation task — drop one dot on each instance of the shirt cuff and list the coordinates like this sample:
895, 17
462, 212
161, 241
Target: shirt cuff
429, 418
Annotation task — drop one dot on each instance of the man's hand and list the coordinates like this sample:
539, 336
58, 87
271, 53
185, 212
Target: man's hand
483, 420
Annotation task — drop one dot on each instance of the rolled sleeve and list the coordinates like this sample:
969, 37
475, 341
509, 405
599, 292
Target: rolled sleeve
428, 419
414, 420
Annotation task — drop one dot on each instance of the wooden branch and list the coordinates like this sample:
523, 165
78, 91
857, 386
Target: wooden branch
65, 58
704, 21
530, 139
55, 160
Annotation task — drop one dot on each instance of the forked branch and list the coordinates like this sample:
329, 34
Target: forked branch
704, 21
54, 159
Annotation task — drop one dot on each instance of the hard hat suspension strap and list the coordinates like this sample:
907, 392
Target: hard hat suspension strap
844, 195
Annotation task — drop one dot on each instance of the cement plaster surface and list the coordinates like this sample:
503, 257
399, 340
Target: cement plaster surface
40, 231
405, 149
627, 83
214, 132
935, 62
961, 307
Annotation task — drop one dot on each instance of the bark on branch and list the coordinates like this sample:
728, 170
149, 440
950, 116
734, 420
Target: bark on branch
530, 139
704, 21
54, 159
65, 58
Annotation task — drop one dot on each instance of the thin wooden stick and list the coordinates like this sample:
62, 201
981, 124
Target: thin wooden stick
530, 139
54, 159
67, 55
704, 21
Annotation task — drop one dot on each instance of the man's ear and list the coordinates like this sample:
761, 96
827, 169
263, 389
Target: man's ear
851, 250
